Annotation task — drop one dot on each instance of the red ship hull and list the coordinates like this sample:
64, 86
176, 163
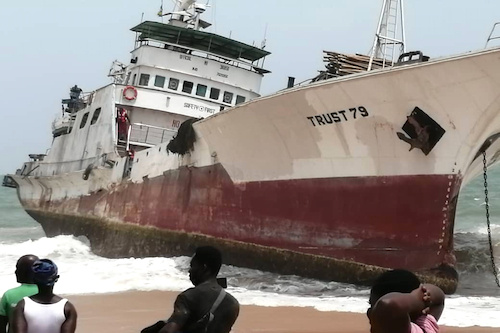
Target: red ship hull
398, 221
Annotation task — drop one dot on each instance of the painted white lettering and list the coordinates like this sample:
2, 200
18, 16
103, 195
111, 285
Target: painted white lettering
199, 108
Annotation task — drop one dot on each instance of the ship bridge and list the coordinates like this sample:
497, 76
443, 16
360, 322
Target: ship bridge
202, 41
178, 73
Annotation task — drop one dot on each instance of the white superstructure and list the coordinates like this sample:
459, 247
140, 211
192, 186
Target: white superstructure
177, 72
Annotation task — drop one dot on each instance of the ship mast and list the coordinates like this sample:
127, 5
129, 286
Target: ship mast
389, 40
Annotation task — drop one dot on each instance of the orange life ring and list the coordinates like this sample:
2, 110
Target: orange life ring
129, 96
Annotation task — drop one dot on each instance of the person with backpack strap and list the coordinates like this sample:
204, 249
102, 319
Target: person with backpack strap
205, 308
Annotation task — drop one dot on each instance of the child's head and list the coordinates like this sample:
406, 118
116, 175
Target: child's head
397, 280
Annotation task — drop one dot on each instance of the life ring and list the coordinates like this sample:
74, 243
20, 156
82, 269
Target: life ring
130, 96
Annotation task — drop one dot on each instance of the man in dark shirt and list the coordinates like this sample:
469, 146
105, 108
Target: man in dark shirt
194, 308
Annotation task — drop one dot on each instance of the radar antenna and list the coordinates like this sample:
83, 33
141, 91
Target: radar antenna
187, 14
117, 72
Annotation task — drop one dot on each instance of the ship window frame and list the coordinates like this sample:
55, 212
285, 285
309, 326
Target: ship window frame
228, 93
186, 88
85, 117
212, 95
95, 116
198, 86
171, 84
133, 80
142, 79
240, 99
159, 78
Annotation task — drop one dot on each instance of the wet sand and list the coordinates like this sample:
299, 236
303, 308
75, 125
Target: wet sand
130, 312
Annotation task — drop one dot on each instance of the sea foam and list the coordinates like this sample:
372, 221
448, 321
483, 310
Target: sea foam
82, 272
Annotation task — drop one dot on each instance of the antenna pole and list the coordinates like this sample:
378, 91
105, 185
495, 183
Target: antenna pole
376, 40
264, 41
403, 26
387, 36
161, 11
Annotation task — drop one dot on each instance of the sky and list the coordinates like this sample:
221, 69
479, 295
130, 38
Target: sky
48, 46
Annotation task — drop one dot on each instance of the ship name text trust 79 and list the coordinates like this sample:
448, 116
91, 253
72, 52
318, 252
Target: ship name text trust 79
339, 116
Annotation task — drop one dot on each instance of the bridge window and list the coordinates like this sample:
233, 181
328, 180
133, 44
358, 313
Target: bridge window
240, 99
173, 84
201, 90
228, 97
95, 116
214, 93
159, 81
84, 120
144, 80
187, 87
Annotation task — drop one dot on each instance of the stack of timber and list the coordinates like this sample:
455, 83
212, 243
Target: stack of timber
339, 64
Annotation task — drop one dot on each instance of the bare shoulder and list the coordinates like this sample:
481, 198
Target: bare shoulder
20, 305
69, 309
234, 301
69, 325
19, 309
233, 305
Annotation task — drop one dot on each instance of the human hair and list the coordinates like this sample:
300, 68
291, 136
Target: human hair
396, 280
24, 273
209, 256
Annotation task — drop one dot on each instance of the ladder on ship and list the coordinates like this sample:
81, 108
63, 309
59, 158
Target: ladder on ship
493, 34
389, 40
122, 145
121, 149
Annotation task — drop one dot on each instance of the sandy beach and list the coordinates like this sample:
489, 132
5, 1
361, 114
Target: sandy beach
129, 312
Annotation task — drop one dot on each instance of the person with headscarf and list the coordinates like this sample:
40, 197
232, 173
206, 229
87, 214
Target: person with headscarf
44, 312
12, 296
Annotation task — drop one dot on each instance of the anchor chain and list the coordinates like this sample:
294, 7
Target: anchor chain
487, 207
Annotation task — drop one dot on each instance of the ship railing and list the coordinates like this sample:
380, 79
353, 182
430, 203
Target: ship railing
65, 120
492, 36
149, 135
88, 97
202, 54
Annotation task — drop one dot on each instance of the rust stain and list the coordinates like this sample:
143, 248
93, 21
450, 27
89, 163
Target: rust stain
116, 240
319, 219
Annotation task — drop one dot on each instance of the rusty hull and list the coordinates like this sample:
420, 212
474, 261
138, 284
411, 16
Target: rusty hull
119, 240
340, 229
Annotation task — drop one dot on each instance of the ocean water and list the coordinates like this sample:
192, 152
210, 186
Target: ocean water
477, 301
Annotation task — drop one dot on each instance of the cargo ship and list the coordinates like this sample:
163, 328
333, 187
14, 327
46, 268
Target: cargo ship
336, 179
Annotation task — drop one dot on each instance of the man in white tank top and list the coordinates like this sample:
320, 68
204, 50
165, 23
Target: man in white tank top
44, 312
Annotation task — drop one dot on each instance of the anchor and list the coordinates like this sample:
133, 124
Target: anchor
421, 131
422, 140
